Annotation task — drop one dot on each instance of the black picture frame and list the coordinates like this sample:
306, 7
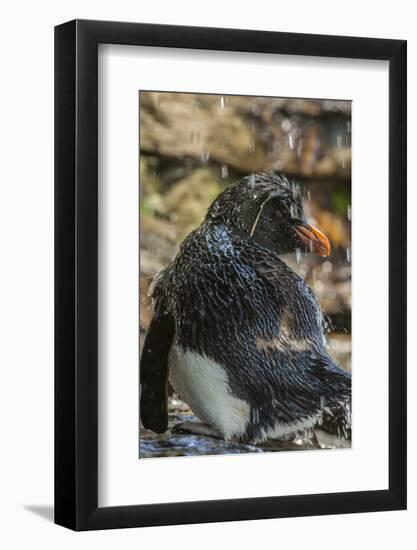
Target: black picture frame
76, 272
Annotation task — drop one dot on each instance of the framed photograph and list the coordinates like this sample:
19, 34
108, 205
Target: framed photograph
230, 252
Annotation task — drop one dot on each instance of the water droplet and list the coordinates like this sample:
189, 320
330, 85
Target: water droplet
205, 156
319, 286
278, 165
255, 110
286, 124
224, 171
327, 266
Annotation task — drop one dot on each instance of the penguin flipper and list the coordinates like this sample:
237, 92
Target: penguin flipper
154, 373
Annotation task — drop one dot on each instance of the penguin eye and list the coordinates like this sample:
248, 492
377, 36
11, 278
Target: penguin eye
289, 210
285, 208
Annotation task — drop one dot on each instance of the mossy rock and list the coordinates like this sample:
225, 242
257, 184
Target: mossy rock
187, 201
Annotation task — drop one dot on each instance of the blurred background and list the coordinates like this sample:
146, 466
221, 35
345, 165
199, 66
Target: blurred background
193, 145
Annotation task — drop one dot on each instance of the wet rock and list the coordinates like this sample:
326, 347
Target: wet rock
187, 200
170, 444
307, 138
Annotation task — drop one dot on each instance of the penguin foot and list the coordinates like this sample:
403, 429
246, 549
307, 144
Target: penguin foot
196, 428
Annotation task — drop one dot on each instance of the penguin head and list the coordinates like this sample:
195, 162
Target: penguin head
269, 209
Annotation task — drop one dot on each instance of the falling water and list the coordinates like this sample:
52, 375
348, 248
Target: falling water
224, 171
348, 257
205, 156
327, 267
349, 212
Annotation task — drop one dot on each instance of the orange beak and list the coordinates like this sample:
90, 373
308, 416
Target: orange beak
314, 239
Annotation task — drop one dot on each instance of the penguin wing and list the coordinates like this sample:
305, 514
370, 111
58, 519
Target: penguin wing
328, 372
154, 371
313, 374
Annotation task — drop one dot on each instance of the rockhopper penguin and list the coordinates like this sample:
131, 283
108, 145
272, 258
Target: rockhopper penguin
239, 334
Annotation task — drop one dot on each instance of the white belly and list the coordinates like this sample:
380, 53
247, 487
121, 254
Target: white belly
203, 385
